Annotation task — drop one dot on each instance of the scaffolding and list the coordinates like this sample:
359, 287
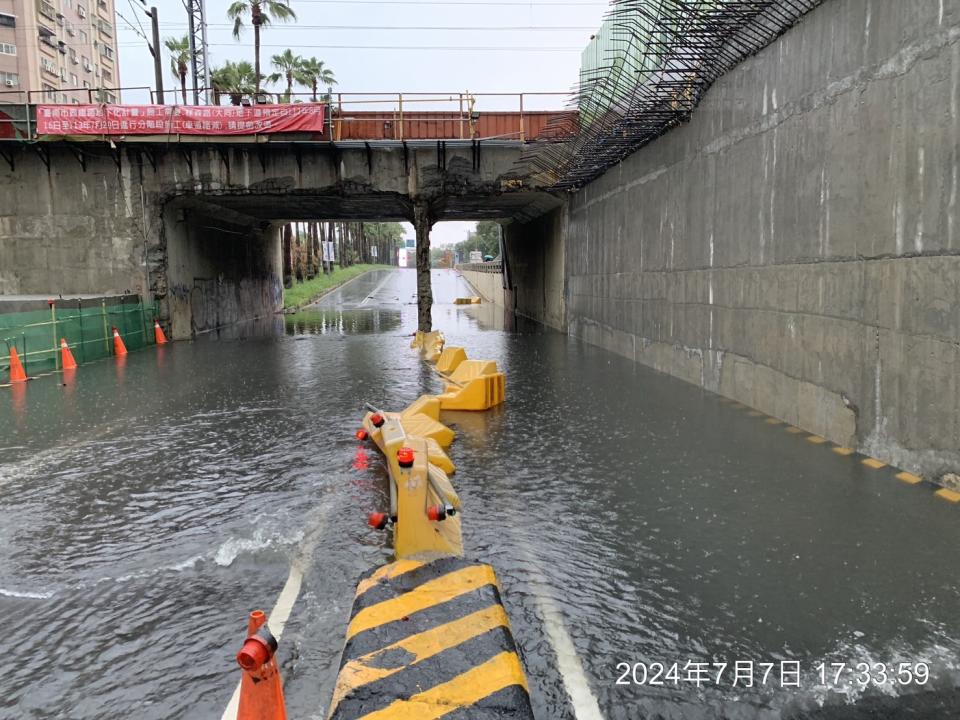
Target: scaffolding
199, 49
644, 73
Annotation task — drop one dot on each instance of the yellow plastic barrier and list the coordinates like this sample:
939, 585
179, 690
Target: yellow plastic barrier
424, 405
430, 344
418, 489
416, 424
474, 385
450, 359
467, 301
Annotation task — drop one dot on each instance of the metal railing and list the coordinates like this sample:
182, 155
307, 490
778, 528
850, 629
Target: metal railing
494, 267
434, 115
351, 116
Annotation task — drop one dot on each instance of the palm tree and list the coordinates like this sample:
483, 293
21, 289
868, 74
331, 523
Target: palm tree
235, 79
179, 58
290, 67
313, 73
262, 12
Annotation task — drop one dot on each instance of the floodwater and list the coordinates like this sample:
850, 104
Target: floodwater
146, 508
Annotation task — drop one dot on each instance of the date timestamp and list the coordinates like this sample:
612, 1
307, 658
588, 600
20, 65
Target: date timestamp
783, 673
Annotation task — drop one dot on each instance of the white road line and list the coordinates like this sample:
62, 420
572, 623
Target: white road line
585, 706
277, 619
377, 288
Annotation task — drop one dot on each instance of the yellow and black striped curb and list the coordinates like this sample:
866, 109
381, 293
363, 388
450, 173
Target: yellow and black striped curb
429, 640
951, 496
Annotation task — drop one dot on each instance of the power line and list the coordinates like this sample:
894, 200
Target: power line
139, 32
509, 28
143, 33
300, 46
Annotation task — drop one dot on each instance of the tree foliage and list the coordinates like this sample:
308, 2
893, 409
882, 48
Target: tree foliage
288, 67
234, 79
261, 12
179, 49
313, 73
486, 239
389, 232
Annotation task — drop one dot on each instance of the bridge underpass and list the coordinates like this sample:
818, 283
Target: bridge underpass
196, 224
793, 249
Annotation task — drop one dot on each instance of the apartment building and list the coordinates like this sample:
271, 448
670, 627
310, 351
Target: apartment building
62, 51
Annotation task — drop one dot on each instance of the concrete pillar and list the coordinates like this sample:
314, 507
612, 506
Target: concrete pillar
287, 241
422, 222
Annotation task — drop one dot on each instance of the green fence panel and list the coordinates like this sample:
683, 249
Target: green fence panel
87, 325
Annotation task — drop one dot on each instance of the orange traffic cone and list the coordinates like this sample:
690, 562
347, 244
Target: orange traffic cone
66, 357
261, 695
118, 347
16, 367
158, 335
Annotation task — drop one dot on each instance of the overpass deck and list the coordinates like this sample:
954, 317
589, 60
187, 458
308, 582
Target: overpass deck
387, 118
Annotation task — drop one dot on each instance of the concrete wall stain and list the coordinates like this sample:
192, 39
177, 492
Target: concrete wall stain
792, 248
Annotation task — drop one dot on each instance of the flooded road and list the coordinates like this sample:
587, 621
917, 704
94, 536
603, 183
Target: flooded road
146, 508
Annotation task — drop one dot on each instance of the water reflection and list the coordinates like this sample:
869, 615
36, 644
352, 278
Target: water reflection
325, 321
638, 514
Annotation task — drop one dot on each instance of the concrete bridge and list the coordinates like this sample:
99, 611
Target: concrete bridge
195, 223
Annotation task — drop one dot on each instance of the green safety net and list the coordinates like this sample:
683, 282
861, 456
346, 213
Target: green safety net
87, 325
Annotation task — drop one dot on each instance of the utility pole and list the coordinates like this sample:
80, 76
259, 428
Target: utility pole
155, 51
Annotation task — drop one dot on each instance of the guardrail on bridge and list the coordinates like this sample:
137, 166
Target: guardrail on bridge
351, 116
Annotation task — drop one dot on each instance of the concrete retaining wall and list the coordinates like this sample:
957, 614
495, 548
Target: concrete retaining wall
535, 262
795, 245
219, 272
489, 285
100, 222
67, 231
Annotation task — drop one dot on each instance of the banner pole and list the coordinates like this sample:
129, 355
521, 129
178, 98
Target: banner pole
83, 349
106, 332
143, 319
53, 318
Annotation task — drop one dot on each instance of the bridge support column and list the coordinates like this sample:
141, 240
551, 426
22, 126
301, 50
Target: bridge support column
422, 222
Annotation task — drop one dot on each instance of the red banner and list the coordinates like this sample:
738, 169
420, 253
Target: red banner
178, 119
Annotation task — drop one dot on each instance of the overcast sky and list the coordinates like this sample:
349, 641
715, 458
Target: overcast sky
484, 46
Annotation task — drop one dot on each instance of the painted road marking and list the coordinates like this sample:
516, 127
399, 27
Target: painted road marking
387, 572
585, 705
377, 289
423, 646
433, 592
464, 690
908, 477
277, 619
948, 495
418, 648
